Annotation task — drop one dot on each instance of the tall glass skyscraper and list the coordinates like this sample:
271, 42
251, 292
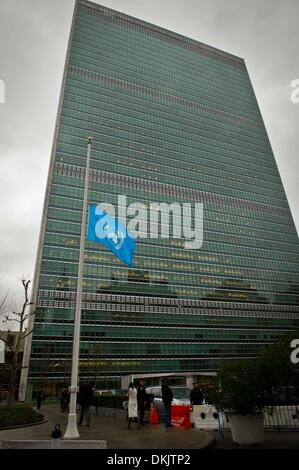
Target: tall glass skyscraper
174, 120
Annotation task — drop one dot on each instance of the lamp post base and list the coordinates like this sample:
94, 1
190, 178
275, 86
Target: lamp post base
71, 430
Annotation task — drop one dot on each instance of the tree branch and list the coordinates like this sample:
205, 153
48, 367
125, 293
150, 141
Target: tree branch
27, 334
11, 319
3, 300
8, 344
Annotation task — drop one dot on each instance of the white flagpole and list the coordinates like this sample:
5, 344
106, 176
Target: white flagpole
72, 430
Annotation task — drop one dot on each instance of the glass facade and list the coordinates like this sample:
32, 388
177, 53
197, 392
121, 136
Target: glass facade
173, 120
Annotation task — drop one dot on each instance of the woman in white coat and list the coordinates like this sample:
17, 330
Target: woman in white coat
132, 405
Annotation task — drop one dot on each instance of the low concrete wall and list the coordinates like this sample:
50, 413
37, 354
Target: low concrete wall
54, 444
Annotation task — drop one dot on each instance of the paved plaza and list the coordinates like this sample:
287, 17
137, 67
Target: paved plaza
114, 431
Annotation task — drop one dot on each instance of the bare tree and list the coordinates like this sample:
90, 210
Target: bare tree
3, 306
14, 343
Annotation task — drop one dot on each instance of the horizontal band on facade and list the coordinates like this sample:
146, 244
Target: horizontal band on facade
74, 193
155, 341
170, 311
160, 33
105, 177
124, 323
132, 358
144, 90
178, 306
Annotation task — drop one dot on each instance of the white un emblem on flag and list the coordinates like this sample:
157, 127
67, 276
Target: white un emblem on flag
117, 237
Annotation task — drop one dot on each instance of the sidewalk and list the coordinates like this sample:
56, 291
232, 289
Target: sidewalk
114, 431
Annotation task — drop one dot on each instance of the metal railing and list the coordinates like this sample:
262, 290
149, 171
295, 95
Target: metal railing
276, 418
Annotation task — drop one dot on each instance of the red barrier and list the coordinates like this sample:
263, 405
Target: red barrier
180, 416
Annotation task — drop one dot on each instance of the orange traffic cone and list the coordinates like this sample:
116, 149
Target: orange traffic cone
153, 418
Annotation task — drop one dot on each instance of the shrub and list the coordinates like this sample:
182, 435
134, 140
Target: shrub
250, 386
18, 415
240, 388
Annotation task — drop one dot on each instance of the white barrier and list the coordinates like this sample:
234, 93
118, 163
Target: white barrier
205, 417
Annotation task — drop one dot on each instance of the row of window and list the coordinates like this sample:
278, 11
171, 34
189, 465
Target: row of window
78, 121
69, 209
159, 258
150, 333
111, 160
99, 348
200, 156
138, 186
59, 224
57, 367
73, 122
174, 124
121, 152
167, 82
163, 115
188, 119
121, 53
127, 156
159, 41
244, 218
167, 265
55, 234
179, 287
154, 271
149, 318
162, 97
208, 307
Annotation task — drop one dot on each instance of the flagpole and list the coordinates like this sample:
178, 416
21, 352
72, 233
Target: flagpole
72, 430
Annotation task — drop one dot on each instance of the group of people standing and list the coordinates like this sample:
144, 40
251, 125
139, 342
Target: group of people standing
84, 400
139, 401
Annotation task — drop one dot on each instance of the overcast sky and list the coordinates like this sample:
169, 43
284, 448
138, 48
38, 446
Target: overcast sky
33, 41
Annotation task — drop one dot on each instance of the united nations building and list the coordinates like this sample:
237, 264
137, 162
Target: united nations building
174, 121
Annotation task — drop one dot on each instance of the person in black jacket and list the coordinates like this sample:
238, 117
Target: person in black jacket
196, 395
167, 397
142, 399
85, 398
40, 397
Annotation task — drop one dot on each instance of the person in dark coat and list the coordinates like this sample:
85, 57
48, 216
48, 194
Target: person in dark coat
167, 397
64, 400
85, 394
206, 393
39, 398
196, 395
142, 399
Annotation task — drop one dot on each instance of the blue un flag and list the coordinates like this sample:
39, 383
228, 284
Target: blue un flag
105, 229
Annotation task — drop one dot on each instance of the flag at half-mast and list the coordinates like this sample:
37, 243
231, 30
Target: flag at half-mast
110, 232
